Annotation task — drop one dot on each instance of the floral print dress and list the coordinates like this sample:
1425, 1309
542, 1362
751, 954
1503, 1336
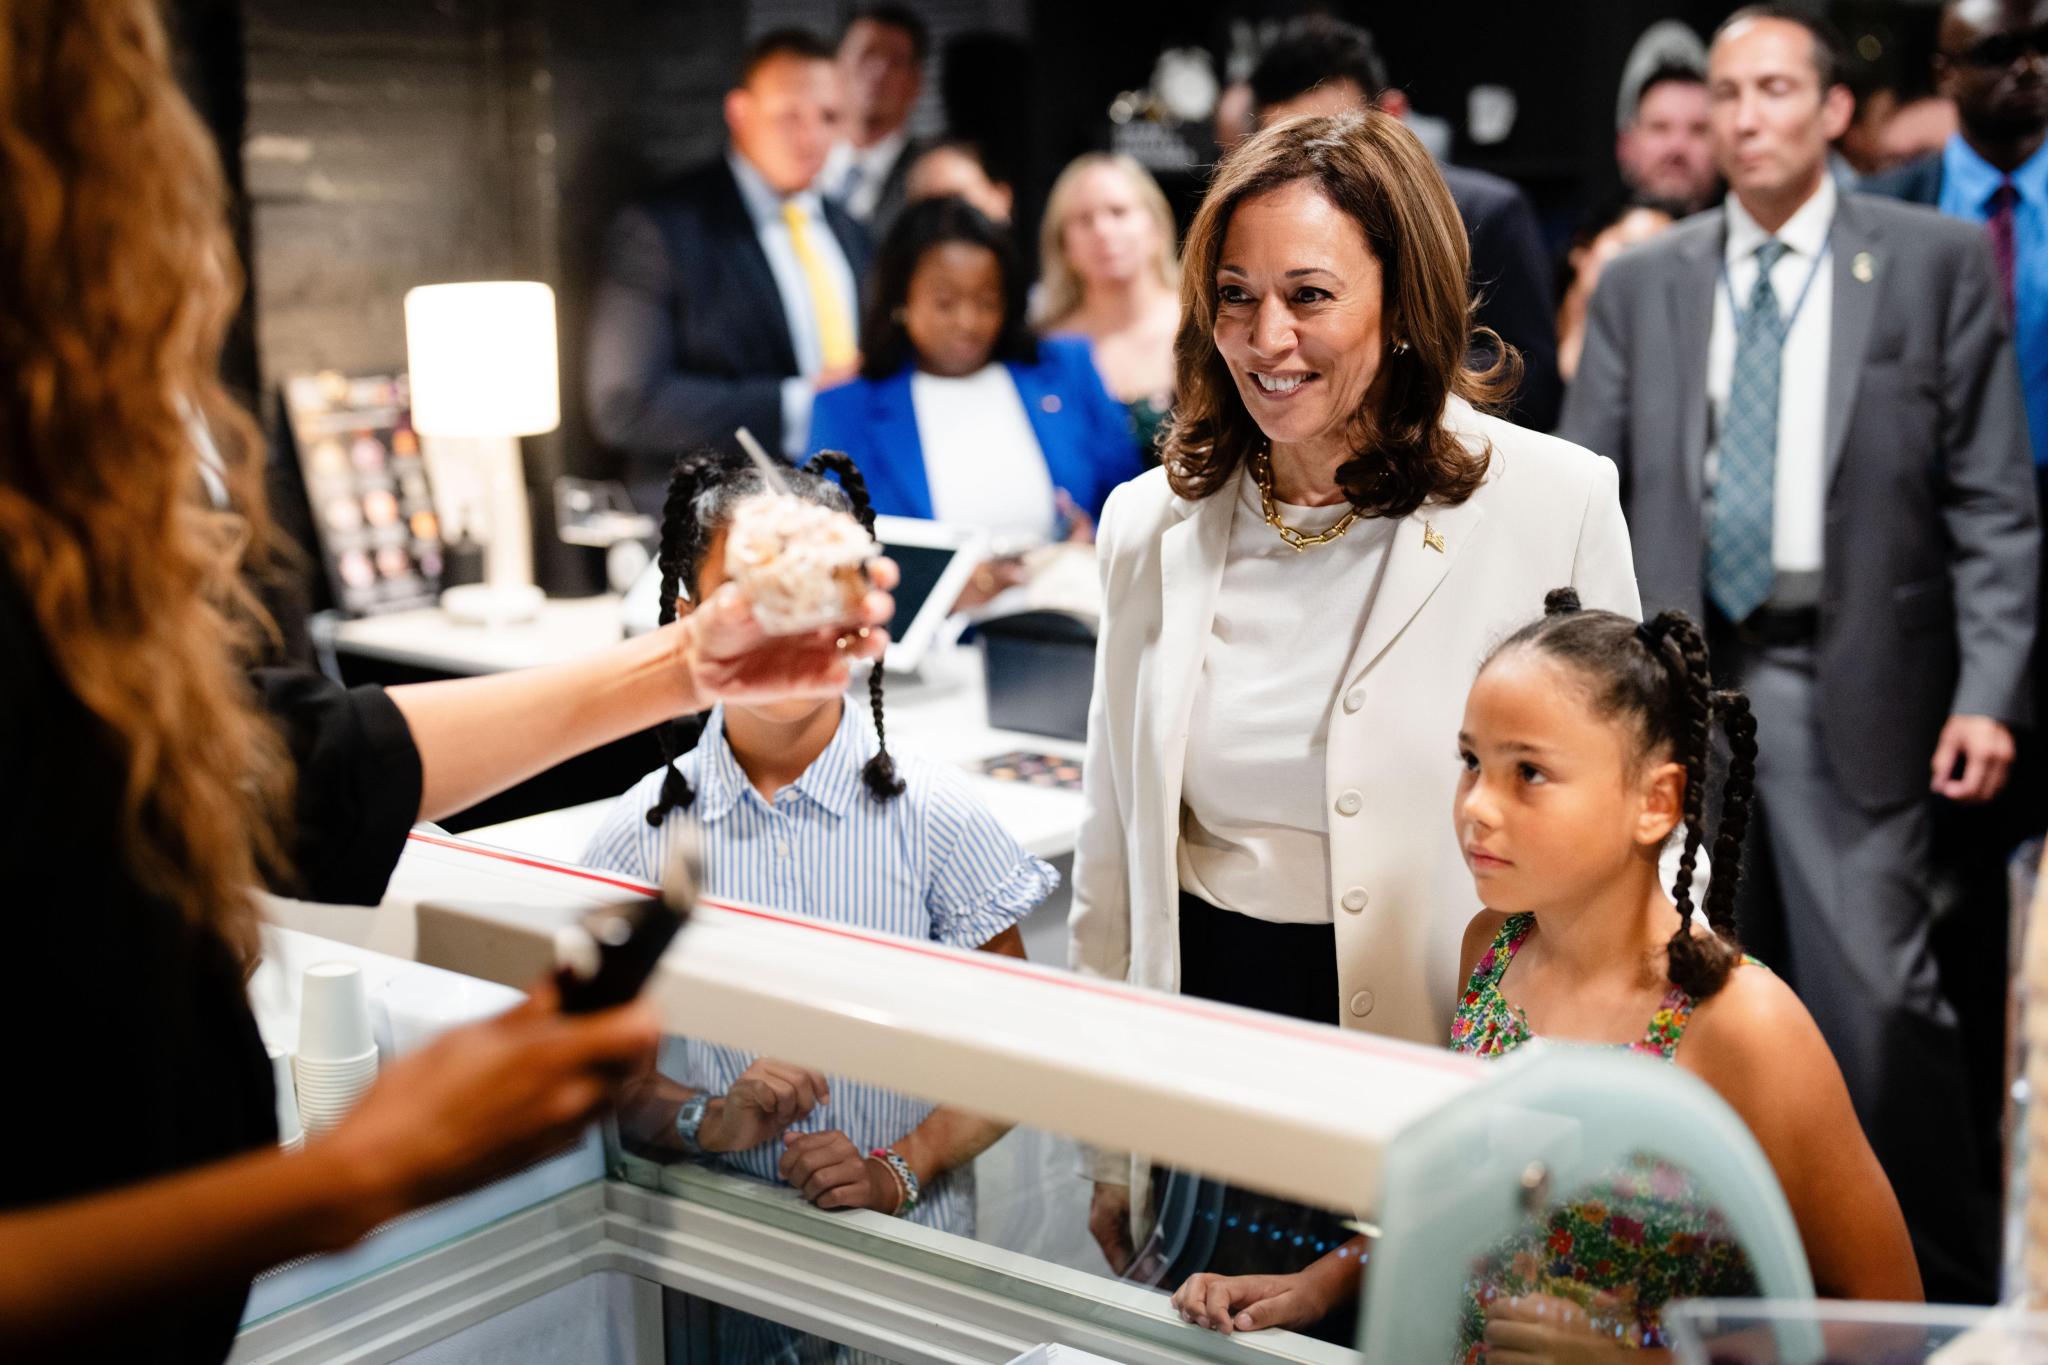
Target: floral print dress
1636, 1239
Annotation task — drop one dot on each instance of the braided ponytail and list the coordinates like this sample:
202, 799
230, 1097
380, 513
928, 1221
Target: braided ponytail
1698, 966
1738, 802
678, 525
880, 773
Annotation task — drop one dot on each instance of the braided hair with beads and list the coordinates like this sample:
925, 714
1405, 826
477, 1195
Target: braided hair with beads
1656, 674
703, 491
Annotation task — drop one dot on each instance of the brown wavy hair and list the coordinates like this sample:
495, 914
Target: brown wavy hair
117, 283
1373, 169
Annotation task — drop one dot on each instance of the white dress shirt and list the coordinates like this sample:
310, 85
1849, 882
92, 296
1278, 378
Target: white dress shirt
869, 169
1800, 490
764, 207
982, 460
1255, 816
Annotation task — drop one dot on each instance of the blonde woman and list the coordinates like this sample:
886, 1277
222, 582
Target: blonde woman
1106, 248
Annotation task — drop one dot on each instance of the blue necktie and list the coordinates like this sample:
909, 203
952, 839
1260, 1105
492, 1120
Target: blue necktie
1740, 574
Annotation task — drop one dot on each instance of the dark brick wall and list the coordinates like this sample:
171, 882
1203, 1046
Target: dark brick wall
375, 159
392, 143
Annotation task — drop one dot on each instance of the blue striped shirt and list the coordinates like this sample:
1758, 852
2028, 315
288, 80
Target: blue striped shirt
932, 865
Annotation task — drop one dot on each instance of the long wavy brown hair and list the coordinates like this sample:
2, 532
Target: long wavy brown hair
1376, 171
117, 282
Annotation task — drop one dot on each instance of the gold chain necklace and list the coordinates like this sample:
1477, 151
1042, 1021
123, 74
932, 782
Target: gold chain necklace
1262, 470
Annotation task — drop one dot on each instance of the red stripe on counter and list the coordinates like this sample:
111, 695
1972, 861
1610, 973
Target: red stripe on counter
1409, 1053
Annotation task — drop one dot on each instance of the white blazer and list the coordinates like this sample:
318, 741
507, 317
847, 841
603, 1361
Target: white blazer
1547, 515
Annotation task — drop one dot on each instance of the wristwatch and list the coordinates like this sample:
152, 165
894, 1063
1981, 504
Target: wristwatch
689, 1119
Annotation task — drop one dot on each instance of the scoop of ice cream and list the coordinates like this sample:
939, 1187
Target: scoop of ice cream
802, 565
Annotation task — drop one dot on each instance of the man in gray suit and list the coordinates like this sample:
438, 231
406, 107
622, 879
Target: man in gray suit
1814, 404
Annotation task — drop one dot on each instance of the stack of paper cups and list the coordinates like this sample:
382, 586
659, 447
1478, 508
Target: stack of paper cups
337, 1058
290, 1135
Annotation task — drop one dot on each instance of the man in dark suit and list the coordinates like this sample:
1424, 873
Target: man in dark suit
730, 296
881, 60
1812, 399
1992, 60
1319, 65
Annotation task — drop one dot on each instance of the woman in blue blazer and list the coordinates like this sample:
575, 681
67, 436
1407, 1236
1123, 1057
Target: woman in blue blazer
960, 414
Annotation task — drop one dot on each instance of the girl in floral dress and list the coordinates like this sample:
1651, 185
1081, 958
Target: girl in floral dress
1585, 747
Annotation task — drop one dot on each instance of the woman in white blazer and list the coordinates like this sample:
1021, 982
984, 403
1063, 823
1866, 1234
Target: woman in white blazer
1298, 600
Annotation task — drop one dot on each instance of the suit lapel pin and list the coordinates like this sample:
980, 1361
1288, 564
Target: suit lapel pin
1864, 267
1432, 538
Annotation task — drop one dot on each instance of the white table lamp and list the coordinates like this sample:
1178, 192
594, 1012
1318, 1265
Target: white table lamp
483, 367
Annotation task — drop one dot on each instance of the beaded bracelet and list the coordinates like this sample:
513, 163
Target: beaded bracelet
905, 1178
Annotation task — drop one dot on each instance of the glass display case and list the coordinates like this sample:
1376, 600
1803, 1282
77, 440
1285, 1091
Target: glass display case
1711, 1332
1443, 1160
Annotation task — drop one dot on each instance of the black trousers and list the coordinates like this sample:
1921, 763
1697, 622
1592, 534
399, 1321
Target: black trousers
1288, 969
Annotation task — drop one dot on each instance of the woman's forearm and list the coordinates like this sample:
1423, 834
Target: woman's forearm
478, 736
107, 1256
1339, 1273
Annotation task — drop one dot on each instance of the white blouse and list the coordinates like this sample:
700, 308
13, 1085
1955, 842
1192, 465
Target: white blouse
981, 457
1255, 834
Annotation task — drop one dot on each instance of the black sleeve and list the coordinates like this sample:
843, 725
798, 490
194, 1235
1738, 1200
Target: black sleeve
644, 399
358, 775
1511, 275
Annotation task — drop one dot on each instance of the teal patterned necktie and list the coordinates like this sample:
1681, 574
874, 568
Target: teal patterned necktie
1740, 574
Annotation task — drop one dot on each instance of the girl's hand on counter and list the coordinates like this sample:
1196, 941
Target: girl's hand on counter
1544, 1329
762, 1103
827, 1169
1250, 1303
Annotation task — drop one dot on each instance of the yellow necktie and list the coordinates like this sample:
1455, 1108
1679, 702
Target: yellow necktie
835, 329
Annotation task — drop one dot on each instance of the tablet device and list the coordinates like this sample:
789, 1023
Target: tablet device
936, 560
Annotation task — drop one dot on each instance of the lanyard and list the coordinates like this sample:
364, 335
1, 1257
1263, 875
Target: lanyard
1736, 312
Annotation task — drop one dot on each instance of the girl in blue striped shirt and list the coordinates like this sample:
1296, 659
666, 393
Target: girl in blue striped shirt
802, 808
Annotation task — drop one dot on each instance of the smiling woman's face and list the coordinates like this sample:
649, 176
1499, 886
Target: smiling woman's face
1298, 313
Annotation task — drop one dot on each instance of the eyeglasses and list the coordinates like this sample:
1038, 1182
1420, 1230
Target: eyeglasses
2003, 49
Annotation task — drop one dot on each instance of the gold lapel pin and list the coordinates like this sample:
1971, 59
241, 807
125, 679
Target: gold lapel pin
1432, 538
1864, 267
